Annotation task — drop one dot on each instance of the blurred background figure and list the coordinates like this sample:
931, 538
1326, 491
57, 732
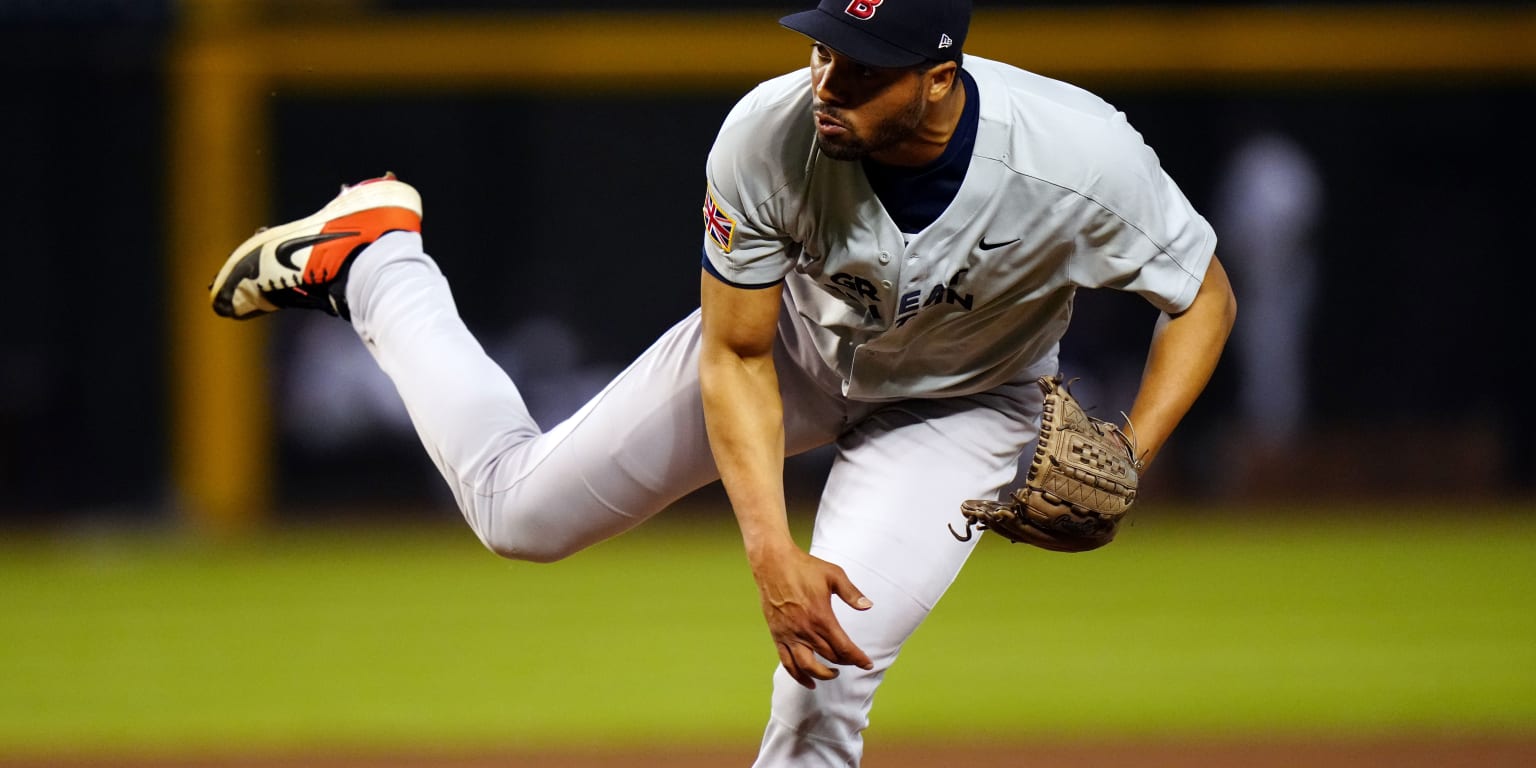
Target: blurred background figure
335, 396
550, 361
347, 400
346, 443
1268, 201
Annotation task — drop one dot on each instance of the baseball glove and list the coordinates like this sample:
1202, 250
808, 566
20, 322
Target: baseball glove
1081, 483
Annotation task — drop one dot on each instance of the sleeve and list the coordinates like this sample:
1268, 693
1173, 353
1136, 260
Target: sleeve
1141, 234
744, 245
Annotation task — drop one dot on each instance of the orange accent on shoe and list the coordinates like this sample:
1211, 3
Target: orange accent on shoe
326, 258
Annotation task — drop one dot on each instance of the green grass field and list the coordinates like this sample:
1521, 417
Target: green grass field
1334, 622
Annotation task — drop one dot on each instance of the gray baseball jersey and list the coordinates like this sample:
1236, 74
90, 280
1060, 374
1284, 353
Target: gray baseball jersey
1061, 193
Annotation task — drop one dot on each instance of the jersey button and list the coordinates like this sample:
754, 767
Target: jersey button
885, 284
885, 257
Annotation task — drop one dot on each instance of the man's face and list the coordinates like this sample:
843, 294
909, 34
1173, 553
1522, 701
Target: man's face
861, 110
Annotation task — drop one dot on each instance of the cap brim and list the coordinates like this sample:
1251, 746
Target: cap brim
849, 40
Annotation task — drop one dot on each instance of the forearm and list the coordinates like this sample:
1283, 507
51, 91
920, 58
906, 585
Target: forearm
1184, 351
744, 417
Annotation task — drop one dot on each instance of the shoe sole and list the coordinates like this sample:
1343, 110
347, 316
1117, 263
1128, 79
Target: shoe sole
245, 262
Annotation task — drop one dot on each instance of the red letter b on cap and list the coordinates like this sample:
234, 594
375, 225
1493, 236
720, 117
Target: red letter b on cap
863, 10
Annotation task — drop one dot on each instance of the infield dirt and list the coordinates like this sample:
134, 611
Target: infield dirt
1492, 753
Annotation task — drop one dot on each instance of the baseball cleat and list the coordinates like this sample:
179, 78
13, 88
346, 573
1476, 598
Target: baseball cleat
304, 263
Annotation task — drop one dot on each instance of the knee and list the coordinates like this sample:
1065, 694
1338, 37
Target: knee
506, 527
516, 545
535, 522
512, 537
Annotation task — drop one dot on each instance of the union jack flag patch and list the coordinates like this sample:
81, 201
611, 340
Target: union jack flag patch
719, 225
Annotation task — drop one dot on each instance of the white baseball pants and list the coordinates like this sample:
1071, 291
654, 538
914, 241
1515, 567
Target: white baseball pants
899, 471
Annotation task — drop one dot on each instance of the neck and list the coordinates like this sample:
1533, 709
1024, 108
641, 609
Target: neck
932, 134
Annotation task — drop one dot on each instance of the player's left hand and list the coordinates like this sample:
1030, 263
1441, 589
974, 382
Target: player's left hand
1080, 485
797, 592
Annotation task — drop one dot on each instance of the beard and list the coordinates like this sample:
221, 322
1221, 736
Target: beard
885, 134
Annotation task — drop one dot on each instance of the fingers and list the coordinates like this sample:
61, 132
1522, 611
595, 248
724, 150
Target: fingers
826, 640
802, 665
787, 659
843, 649
850, 594
802, 657
805, 627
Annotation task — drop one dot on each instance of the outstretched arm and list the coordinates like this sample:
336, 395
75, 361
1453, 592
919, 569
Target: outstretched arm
745, 419
1184, 352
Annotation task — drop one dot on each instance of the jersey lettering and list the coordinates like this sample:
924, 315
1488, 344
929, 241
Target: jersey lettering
863, 10
859, 291
953, 296
913, 302
858, 286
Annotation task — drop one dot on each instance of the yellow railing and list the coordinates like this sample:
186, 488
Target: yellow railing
225, 66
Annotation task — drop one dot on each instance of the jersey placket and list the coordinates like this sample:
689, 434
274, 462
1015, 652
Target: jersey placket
897, 271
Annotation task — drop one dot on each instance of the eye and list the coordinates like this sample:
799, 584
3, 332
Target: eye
821, 51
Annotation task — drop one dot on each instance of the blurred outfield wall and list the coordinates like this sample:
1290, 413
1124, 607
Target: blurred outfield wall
560, 156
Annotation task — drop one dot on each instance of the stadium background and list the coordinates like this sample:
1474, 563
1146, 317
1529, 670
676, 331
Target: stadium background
559, 153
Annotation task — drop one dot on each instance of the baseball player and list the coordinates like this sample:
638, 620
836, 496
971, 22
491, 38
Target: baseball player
892, 239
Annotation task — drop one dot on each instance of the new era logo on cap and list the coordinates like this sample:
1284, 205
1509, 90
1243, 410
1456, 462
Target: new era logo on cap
887, 33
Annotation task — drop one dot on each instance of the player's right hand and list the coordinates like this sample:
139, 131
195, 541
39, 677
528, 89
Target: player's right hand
797, 592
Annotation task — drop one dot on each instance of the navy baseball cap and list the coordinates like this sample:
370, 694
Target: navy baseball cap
887, 33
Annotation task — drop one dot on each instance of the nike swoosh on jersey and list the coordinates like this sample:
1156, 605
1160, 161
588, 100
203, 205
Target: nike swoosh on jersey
286, 250
986, 246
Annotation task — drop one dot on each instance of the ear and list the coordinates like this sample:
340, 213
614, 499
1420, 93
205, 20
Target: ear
940, 80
